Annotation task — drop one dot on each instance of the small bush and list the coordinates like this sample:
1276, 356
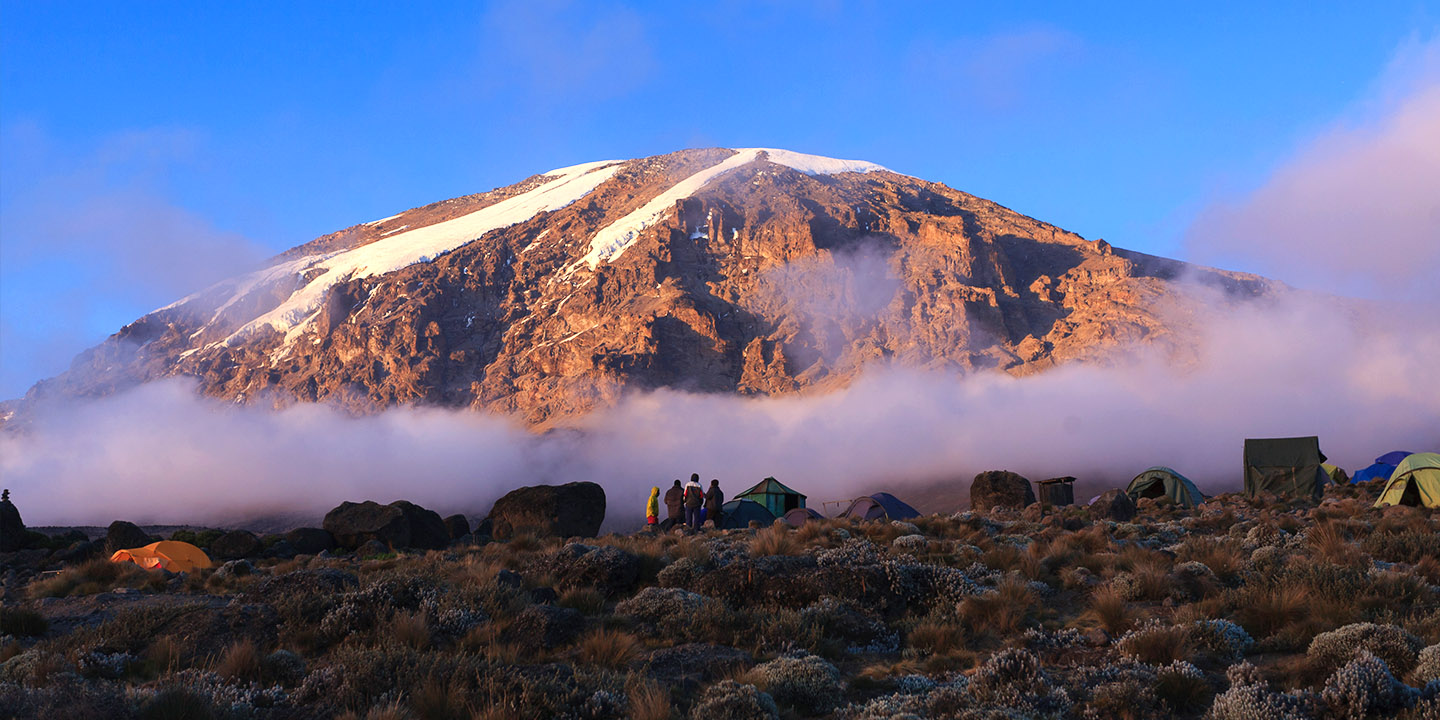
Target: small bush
1182, 687
807, 683
22, 623
608, 648
729, 700
1365, 688
1390, 643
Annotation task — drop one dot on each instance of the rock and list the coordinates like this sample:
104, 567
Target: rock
310, 541
574, 509
372, 548
544, 596
78, 552
457, 526
509, 579
547, 626
484, 529
1000, 488
1113, 505
281, 550
13, 535
235, 568
122, 535
608, 569
234, 545
400, 524
1034, 512
318, 581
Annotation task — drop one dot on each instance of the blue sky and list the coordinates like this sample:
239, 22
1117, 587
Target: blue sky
148, 149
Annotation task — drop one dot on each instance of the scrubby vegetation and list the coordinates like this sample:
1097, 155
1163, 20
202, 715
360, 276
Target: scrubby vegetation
1239, 609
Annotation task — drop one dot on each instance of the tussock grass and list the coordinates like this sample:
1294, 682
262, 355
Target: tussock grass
649, 701
608, 648
241, 661
775, 540
1111, 610
97, 576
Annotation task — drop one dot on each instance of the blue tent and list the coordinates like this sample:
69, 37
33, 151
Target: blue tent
1382, 469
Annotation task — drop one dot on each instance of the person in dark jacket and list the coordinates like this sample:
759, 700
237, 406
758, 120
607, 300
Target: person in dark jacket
714, 500
675, 503
694, 500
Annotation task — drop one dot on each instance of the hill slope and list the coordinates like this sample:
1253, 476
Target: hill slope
715, 270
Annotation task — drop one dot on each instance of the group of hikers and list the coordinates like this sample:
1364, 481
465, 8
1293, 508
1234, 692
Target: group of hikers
689, 504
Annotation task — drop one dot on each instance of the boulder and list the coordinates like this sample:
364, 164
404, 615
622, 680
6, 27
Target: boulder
13, 535
234, 545
1000, 488
123, 535
547, 626
1112, 505
400, 524
458, 526
574, 509
310, 541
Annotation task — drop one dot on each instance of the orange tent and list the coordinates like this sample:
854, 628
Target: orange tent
171, 555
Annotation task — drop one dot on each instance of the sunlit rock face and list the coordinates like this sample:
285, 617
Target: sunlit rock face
717, 270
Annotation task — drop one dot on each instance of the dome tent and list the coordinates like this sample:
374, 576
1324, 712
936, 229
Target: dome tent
774, 495
879, 506
171, 555
1162, 482
1416, 481
800, 516
739, 513
1383, 467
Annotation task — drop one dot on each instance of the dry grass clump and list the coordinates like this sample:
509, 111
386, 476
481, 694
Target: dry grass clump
410, 630
587, 600
648, 700
774, 540
937, 637
241, 661
1331, 542
1224, 556
1157, 644
1111, 610
97, 576
1264, 611
1002, 612
608, 648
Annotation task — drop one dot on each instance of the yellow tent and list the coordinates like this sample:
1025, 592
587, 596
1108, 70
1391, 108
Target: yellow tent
171, 555
1416, 481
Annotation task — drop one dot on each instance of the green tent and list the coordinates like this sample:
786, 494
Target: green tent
1162, 482
1416, 481
776, 498
1285, 466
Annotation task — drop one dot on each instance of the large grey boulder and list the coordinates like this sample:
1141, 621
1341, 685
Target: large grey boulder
1000, 488
1113, 505
235, 545
310, 541
400, 524
574, 509
122, 535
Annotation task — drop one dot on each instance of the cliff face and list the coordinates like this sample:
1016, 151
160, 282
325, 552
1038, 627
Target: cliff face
752, 272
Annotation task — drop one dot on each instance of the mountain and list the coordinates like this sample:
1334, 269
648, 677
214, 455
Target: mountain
751, 271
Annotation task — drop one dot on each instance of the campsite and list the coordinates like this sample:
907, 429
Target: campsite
1293, 597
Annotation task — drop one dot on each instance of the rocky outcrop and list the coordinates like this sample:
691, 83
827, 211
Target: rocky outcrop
234, 545
1113, 505
400, 524
457, 526
13, 535
574, 509
766, 280
1000, 488
310, 541
122, 535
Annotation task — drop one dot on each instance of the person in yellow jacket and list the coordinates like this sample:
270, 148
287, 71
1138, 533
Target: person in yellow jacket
652, 507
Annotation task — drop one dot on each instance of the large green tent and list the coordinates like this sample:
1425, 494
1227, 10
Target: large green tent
775, 496
1162, 482
1285, 466
1416, 481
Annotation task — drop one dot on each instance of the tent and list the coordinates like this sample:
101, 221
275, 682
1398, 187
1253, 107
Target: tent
800, 516
1336, 474
740, 512
1162, 482
1416, 481
171, 555
879, 506
1383, 468
775, 496
1284, 466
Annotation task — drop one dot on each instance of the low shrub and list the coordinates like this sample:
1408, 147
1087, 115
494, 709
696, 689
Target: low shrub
1390, 643
729, 700
22, 623
1365, 688
806, 682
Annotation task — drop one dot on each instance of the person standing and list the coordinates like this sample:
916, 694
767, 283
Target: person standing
714, 500
675, 503
694, 500
652, 508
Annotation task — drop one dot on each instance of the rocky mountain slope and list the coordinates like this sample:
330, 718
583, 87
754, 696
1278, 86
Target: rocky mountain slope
728, 271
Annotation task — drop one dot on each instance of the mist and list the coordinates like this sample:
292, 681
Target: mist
1362, 380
